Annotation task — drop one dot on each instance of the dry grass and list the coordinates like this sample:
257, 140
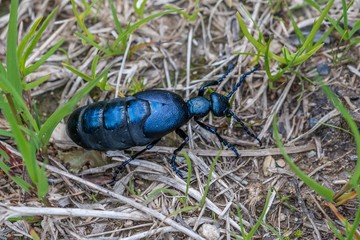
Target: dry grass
148, 201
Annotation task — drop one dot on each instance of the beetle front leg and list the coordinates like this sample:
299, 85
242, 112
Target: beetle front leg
148, 147
213, 130
185, 137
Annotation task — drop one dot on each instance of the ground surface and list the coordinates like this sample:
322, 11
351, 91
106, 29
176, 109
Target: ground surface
314, 133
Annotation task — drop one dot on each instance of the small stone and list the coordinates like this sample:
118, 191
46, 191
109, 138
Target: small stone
353, 157
282, 217
311, 154
323, 69
313, 122
209, 231
129, 223
269, 162
281, 163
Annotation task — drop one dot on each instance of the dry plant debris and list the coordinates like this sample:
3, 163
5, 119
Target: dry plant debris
171, 52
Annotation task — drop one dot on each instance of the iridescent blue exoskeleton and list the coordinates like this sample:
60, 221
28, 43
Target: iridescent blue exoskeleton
144, 118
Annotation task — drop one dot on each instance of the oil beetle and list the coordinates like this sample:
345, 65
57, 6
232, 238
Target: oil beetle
144, 118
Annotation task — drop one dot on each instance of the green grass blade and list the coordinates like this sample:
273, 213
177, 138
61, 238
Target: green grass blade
259, 46
207, 186
94, 64
356, 222
116, 19
300, 59
352, 125
38, 34
93, 43
78, 72
335, 231
188, 179
261, 218
50, 124
79, 20
309, 40
355, 28
13, 74
140, 10
37, 64
34, 84
5, 133
21, 106
3, 77
297, 30
324, 192
242, 227
346, 23
25, 41
155, 192
25, 148
137, 25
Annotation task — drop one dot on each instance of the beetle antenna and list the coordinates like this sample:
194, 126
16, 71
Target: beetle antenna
241, 80
247, 130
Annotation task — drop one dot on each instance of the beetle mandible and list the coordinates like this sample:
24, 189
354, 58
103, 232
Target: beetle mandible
147, 116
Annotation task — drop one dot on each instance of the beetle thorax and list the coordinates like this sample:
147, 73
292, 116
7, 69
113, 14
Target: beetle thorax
200, 106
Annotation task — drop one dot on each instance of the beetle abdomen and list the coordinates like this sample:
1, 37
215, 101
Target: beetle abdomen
110, 125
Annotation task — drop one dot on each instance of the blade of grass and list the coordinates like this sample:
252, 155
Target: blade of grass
79, 20
261, 218
25, 148
34, 84
116, 19
129, 30
50, 124
254, 42
352, 125
324, 192
93, 43
207, 186
37, 36
11, 56
37, 64
25, 41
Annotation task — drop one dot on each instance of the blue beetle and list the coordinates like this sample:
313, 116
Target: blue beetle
147, 116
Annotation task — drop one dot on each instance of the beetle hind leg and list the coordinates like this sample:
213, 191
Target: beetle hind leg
148, 147
213, 130
185, 137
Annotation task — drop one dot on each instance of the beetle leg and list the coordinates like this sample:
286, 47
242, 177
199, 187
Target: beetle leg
148, 147
217, 82
246, 129
213, 130
185, 137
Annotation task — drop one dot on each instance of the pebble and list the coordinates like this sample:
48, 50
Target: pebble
209, 231
269, 162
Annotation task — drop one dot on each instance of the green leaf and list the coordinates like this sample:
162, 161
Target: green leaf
116, 19
13, 74
37, 64
77, 72
25, 148
50, 124
94, 64
355, 28
129, 30
25, 41
38, 34
355, 179
92, 42
34, 84
80, 21
324, 192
